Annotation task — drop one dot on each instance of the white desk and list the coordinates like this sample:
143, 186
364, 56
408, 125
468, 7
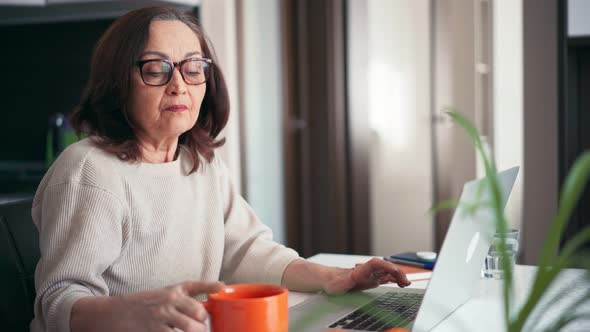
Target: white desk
483, 312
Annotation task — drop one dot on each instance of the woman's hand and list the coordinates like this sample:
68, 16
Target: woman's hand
365, 276
154, 310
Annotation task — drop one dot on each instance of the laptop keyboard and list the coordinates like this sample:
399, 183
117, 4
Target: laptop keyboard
392, 309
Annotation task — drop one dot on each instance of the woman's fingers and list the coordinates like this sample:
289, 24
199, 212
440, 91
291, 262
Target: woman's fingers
185, 323
385, 267
376, 272
188, 305
376, 268
191, 308
193, 288
169, 309
186, 313
386, 279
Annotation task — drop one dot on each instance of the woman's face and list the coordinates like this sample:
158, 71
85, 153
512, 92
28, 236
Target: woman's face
162, 113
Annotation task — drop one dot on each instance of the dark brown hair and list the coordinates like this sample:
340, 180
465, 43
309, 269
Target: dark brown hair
103, 106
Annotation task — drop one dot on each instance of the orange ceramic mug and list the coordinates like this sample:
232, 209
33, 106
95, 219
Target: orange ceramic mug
249, 307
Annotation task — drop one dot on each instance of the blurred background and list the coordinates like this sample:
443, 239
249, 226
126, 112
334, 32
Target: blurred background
338, 136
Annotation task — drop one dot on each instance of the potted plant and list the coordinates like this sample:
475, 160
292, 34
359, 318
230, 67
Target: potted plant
552, 263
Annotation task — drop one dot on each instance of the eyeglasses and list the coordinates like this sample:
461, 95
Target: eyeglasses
157, 72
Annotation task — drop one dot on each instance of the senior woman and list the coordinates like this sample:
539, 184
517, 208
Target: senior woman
141, 216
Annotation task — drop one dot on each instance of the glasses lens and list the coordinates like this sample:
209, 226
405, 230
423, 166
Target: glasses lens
156, 72
195, 71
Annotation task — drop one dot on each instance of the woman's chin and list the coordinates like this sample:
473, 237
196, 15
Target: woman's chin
178, 127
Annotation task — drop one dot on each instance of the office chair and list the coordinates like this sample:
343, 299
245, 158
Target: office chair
19, 253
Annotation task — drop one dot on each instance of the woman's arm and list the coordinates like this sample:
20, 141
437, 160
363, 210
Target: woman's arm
249, 254
92, 313
154, 310
304, 276
80, 235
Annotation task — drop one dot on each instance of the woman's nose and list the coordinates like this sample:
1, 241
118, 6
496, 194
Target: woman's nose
176, 86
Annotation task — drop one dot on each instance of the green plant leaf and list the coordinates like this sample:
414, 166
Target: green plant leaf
492, 183
544, 279
569, 312
566, 320
575, 243
542, 282
444, 205
550, 265
469, 208
572, 189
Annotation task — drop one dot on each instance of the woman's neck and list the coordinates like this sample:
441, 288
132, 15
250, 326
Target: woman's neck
158, 152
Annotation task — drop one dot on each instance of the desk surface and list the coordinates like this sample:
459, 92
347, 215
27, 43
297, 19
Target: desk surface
483, 312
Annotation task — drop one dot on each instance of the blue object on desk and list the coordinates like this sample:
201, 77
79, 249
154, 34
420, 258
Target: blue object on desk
427, 266
410, 258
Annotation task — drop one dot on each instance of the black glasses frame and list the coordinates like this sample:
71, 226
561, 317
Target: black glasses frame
174, 65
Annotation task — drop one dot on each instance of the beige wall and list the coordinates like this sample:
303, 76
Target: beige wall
218, 18
262, 113
508, 99
525, 106
462, 161
454, 86
398, 94
246, 33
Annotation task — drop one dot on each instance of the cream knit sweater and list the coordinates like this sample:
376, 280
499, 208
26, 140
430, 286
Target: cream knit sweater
108, 227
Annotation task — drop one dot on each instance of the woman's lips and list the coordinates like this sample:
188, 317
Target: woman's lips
176, 108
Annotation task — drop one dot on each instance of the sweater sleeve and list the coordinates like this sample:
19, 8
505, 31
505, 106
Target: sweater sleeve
80, 236
250, 254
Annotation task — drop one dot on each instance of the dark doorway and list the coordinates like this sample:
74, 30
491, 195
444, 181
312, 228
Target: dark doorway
575, 123
326, 177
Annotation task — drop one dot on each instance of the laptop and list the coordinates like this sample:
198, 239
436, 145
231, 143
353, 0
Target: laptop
456, 273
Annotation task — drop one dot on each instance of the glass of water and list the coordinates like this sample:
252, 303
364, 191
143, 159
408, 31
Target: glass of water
492, 268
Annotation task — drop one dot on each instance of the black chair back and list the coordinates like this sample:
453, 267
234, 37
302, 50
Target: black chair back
19, 253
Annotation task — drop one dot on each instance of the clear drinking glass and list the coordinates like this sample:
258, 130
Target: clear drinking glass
492, 268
